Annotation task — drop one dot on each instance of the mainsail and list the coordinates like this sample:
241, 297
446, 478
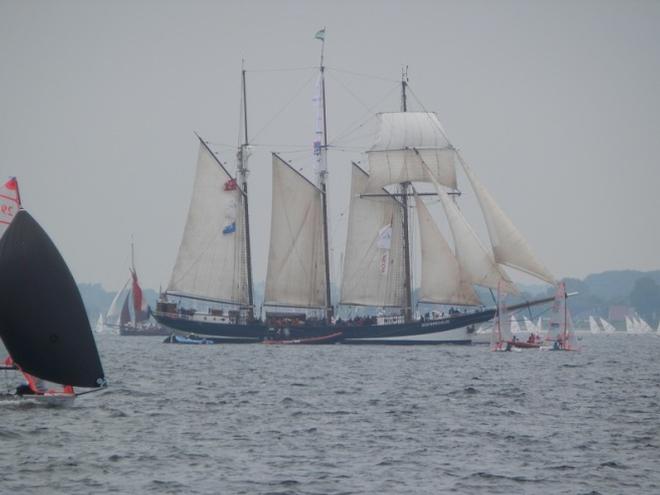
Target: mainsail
442, 280
373, 260
393, 159
43, 322
211, 263
509, 246
296, 260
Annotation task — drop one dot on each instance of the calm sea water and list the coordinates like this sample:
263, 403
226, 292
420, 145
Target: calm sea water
328, 420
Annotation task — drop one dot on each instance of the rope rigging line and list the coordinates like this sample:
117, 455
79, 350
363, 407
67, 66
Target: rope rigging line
286, 105
362, 74
289, 69
365, 118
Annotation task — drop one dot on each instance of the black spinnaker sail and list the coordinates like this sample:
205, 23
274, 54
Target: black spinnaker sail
43, 322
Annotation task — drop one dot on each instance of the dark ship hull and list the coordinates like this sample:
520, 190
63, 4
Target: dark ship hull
453, 329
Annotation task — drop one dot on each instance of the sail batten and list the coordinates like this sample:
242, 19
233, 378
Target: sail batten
373, 268
509, 246
210, 263
296, 259
442, 280
393, 159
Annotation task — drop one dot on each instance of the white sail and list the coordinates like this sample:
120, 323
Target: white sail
477, 265
509, 246
593, 325
644, 327
100, 324
211, 262
515, 326
114, 312
529, 325
607, 326
296, 260
442, 281
629, 325
373, 270
561, 330
393, 159
501, 334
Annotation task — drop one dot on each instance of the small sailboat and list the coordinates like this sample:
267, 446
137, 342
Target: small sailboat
561, 335
43, 323
644, 327
501, 336
593, 326
135, 319
608, 328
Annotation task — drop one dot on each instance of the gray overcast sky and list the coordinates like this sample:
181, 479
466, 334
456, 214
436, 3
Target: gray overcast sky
556, 105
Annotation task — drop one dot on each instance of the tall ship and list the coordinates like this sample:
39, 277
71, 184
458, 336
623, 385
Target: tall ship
214, 265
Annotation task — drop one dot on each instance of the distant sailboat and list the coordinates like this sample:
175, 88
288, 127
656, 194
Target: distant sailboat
138, 322
501, 336
43, 322
644, 327
593, 326
608, 328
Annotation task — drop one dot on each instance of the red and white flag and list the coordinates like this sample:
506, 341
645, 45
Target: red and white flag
10, 202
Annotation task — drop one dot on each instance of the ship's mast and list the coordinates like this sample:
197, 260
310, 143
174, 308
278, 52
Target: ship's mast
132, 255
242, 176
323, 175
407, 311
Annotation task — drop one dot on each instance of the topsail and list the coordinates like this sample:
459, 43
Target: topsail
407, 141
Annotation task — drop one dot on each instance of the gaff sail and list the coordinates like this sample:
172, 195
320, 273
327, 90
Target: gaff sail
43, 322
296, 261
140, 307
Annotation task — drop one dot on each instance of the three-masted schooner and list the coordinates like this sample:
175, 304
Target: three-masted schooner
214, 263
